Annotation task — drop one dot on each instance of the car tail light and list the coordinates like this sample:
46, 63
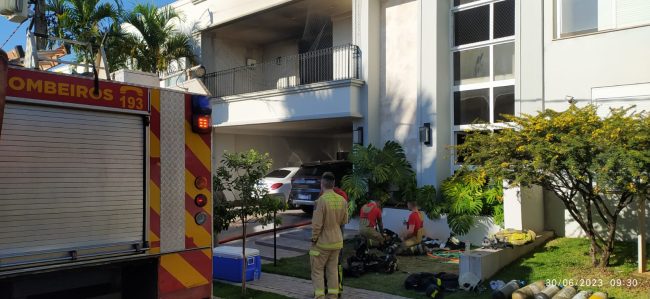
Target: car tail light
200, 200
276, 186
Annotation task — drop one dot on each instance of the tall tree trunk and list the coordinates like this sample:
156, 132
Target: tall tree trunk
593, 250
609, 246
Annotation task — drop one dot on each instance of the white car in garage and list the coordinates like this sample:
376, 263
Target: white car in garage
278, 182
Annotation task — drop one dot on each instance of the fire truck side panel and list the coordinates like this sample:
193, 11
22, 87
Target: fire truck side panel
154, 172
71, 170
172, 175
85, 186
197, 164
185, 269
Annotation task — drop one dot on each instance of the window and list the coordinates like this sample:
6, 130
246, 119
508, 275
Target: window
472, 25
472, 66
575, 17
483, 64
504, 102
471, 106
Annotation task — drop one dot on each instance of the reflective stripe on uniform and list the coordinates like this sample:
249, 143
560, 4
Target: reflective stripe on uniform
319, 292
314, 252
334, 202
333, 291
330, 246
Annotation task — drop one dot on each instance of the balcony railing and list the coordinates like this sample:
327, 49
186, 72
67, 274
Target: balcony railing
336, 63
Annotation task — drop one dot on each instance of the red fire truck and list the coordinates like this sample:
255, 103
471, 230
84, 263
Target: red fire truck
105, 190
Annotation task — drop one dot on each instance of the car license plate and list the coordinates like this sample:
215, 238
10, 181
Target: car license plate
304, 196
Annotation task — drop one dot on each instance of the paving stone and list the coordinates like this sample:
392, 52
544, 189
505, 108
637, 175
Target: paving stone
302, 289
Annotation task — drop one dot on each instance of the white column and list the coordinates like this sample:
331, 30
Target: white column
434, 91
523, 207
365, 24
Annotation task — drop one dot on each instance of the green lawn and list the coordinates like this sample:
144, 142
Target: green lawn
228, 291
559, 259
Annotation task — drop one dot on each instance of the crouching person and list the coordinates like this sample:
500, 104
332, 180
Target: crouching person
330, 214
370, 224
412, 241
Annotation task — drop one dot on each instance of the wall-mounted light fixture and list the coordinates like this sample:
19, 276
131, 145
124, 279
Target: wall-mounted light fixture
357, 136
425, 134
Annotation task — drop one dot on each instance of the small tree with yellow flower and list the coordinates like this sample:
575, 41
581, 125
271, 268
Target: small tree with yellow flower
597, 166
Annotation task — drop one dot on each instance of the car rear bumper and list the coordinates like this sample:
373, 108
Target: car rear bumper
296, 202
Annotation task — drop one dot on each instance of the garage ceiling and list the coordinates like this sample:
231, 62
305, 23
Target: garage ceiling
280, 23
314, 128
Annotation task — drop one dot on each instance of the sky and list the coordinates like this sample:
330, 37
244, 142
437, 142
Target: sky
6, 27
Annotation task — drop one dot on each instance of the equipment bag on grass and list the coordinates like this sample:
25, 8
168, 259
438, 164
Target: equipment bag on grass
515, 237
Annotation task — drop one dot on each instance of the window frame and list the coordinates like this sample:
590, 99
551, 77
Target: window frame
490, 85
557, 24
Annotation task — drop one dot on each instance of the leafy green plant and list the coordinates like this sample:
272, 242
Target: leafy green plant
597, 166
91, 21
157, 40
240, 174
377, 172
470, 193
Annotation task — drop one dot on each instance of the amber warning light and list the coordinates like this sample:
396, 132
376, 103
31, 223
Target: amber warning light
201, 111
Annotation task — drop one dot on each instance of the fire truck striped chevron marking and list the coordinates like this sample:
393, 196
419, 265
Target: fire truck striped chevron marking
197, 146
197, 163
167, 282
154, 172
182, 270
195, 235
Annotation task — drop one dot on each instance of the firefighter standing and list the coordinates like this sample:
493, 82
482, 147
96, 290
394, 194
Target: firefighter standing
370, 224
330, 214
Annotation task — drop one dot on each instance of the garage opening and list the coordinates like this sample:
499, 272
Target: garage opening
290, 144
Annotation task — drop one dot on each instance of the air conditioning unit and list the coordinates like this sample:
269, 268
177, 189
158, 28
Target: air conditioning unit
15, 10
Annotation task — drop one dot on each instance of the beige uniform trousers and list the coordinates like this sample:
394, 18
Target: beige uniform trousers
324, 263
374, 238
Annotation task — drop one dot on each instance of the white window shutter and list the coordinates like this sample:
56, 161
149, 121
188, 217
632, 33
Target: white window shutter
632, 12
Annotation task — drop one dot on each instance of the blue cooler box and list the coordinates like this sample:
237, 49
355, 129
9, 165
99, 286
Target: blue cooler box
227, 263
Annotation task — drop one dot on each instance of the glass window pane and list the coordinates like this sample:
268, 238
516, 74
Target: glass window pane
504, 102
578, 16
472, 66
460, 139
504, 59
471, 106
472, 25
504, 18
461, 2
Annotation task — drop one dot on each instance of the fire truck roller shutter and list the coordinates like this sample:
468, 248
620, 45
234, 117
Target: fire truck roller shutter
71, 183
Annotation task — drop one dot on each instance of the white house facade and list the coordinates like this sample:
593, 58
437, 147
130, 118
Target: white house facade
306, 79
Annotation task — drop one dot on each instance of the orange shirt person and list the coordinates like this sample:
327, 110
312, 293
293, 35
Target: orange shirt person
370, 224
414, 227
